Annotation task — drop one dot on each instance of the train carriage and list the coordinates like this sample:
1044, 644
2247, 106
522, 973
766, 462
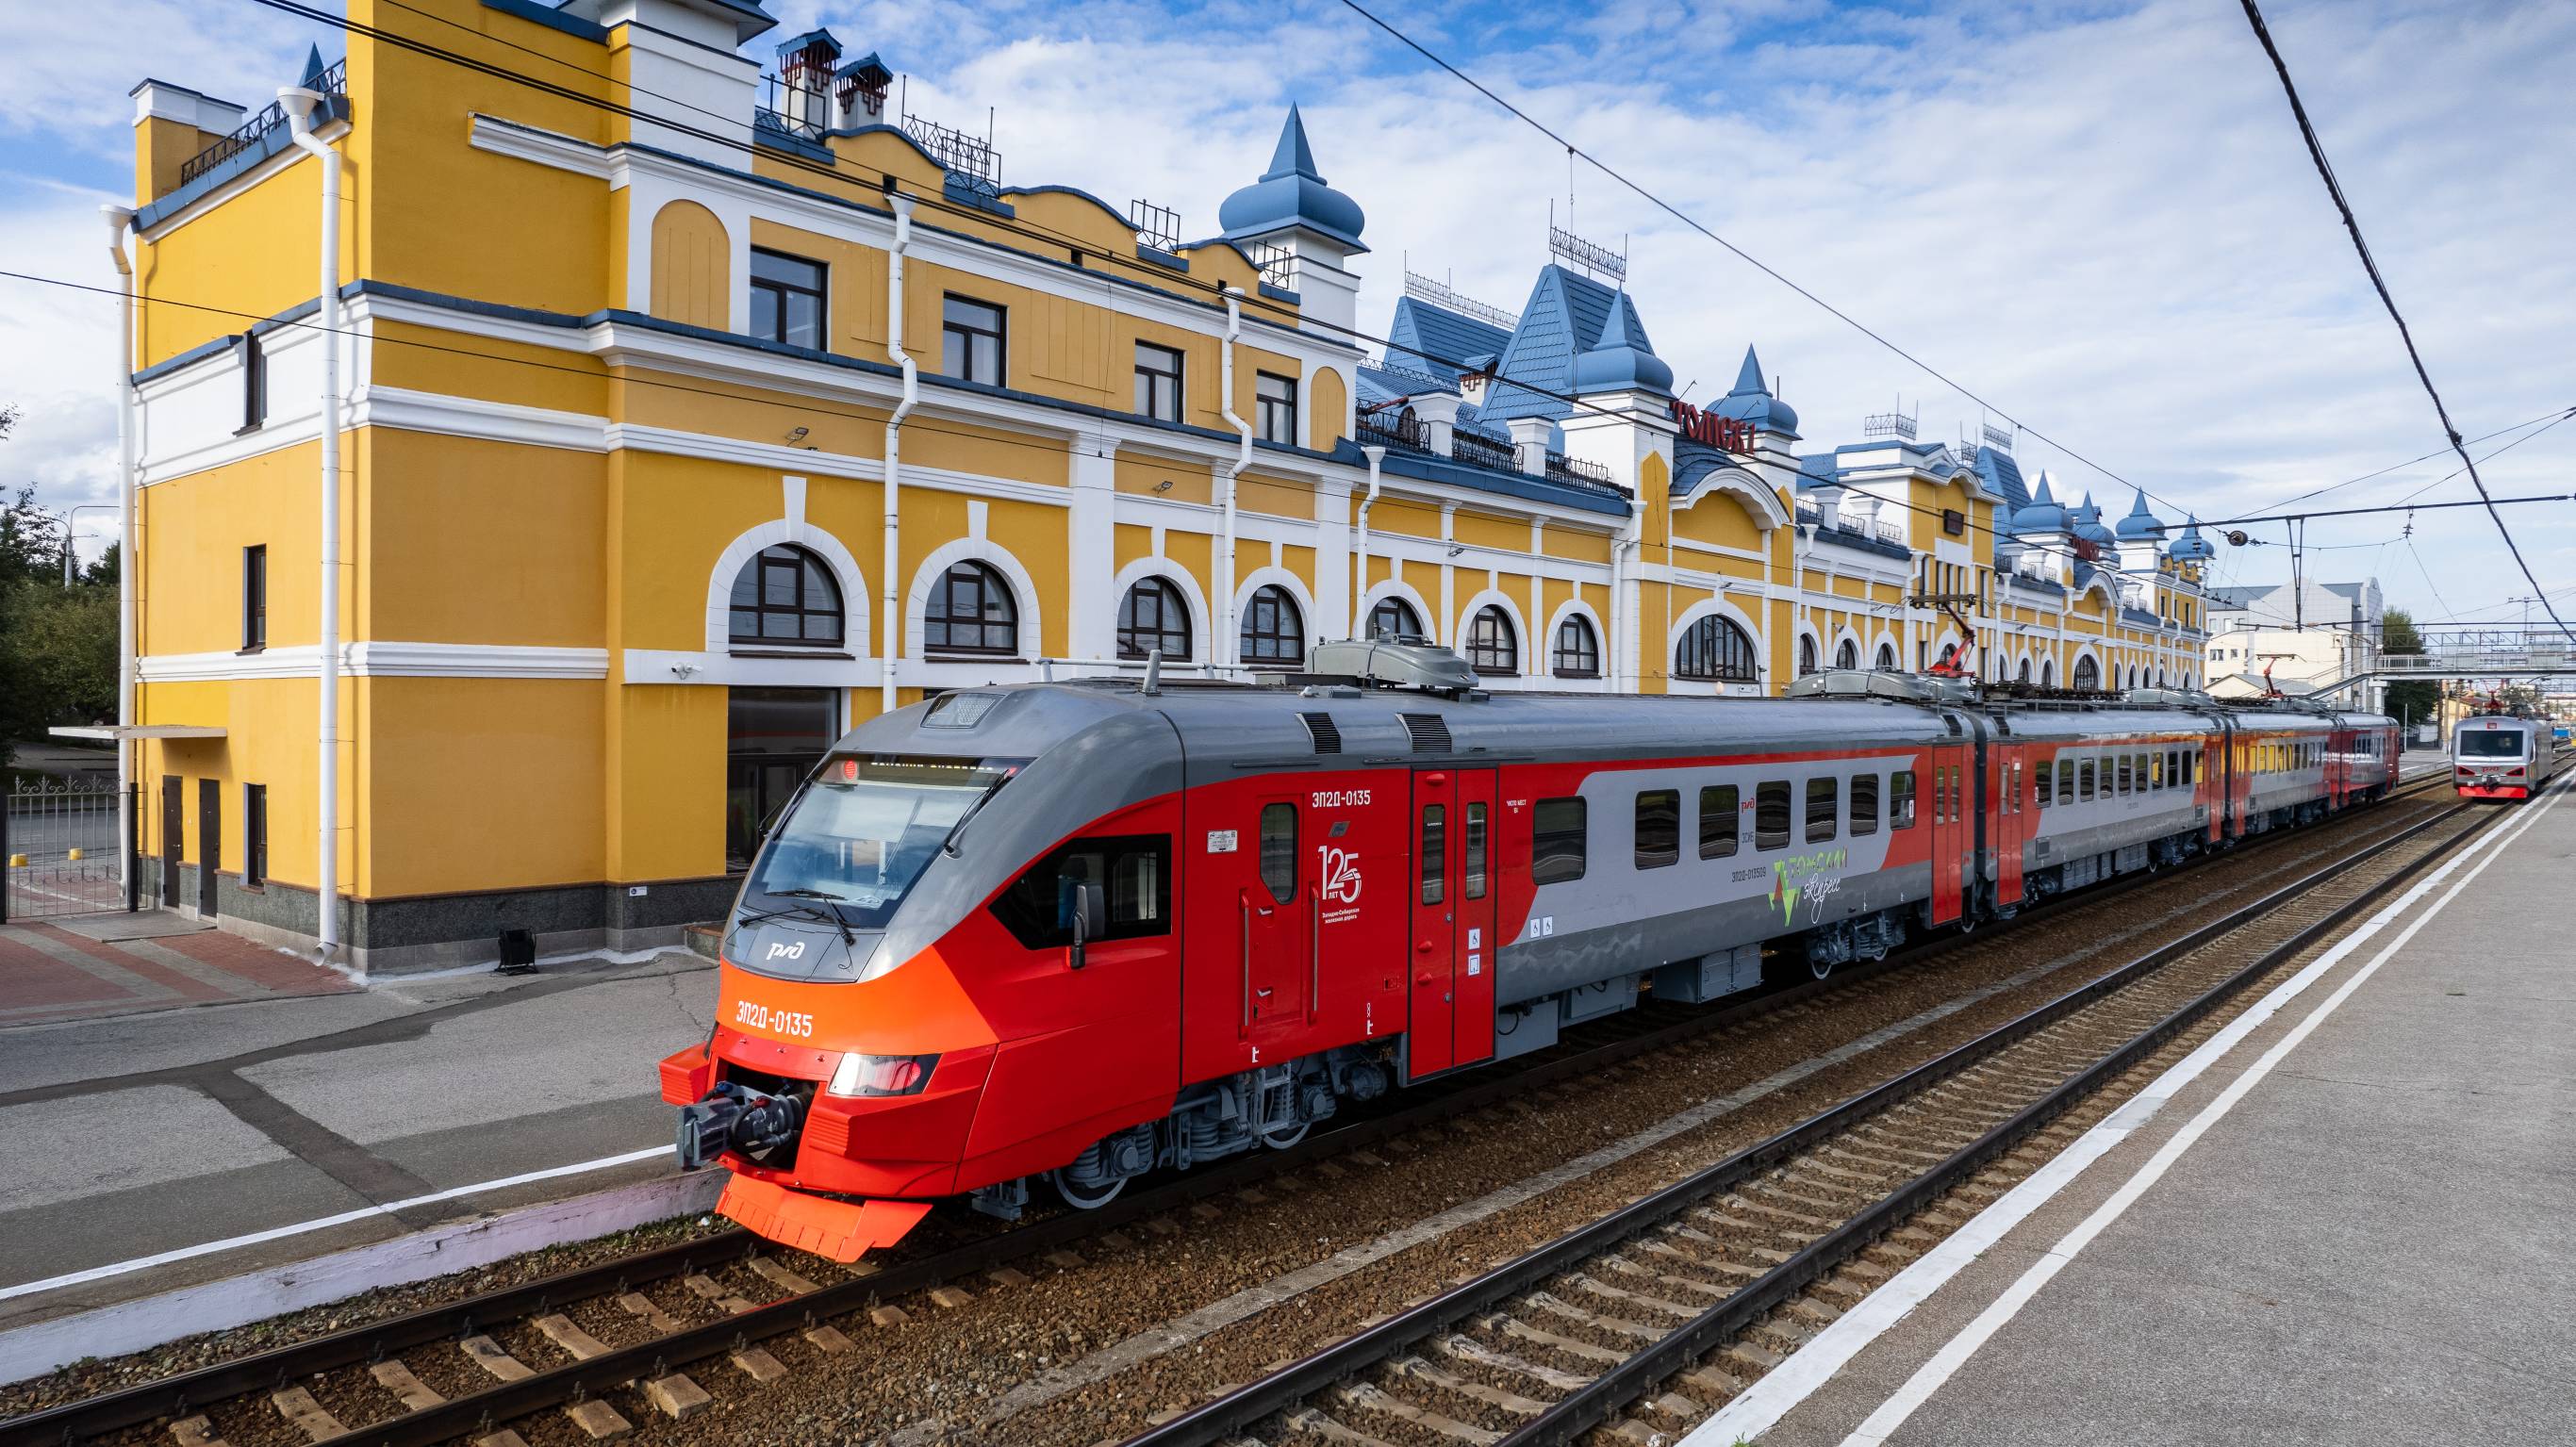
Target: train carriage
2497, 756
1063, 935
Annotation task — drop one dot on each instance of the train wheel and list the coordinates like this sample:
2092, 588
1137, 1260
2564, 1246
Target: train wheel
1281, 1137
1086, 1198
1820, 968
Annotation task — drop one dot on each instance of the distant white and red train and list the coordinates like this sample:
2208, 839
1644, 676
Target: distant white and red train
2498, 756
1073, 933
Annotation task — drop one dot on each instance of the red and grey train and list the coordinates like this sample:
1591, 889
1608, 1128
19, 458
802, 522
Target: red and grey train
1066, 934
2499, 756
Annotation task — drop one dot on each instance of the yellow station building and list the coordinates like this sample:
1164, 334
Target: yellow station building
690, 408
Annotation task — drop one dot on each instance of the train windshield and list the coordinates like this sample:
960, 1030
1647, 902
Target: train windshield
867, 826
2490, 743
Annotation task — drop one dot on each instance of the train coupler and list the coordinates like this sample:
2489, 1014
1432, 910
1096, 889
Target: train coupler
734, 1117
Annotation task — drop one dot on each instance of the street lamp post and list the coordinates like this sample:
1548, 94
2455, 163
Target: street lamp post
71, 518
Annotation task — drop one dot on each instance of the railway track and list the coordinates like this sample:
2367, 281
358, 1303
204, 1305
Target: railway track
1649, 1319
454, 1371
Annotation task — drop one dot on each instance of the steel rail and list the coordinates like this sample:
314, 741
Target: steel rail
181, 1394
1590, 1406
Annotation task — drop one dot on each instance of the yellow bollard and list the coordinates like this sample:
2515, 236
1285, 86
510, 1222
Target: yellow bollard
75, 856
17, 861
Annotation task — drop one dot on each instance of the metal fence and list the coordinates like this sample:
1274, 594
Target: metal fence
59, 844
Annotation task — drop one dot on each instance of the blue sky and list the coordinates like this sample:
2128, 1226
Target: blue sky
2097, 215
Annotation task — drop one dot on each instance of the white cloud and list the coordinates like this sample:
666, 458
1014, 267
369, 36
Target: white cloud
2099, 217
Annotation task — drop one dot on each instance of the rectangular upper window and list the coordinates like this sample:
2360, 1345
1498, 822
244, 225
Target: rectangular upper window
1659, 828
254, 835
1557, 841
970, 339
1900, 799
254, 362
1864, 804
1717, 826
254, 597
1158, 382
1771, 815
787, 299
1275, 407
1823, 805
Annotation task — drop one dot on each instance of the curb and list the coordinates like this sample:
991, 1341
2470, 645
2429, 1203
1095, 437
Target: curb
151, 1321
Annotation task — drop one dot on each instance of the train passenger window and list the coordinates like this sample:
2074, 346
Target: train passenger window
1900, 799
2121, 773
1279, 850
2084, 781
1037, 907
1659, 828
1717, 826
1476, 851
2066, 781
2173, 768
1556, 841
2190, 765
1864, 804
1435, 854
1771, 815
2045, 775
1824, 803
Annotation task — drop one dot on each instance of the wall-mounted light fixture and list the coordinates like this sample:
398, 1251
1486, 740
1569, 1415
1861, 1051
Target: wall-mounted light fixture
1164, 486
796, 436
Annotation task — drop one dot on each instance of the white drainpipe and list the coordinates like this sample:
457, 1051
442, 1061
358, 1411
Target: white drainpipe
1359, 576
118, 219
1230, 645
1624, 677
299, 105
891, 610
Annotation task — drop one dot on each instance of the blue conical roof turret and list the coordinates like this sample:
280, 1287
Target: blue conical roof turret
2141, 524
1292, 194
1751, 400
2044, 515
2191, 547
1615, 362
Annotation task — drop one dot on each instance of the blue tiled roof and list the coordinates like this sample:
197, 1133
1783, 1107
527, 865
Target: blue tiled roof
2003, 475
1693, 461
1566, 311
1385, 384
1429, 338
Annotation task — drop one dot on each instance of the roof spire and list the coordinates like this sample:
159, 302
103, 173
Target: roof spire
1293, 157
313, 66
1748, 378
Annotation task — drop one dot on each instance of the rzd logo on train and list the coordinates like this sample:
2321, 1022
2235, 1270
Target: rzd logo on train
795, 951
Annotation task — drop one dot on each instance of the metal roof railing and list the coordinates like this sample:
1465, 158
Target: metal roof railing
334, 80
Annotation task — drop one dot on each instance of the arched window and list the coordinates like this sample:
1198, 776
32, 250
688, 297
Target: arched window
971, 611
1153, 619
1394, 618
786, 595
1806, 656
1847, 656
1715, 651
2088, 674
1274, 632
1887, 658
2024, 676
1578, 652
2048, 673
1492, 646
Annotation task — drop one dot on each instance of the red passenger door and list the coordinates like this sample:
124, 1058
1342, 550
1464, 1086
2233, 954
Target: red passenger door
1949, 833
1273, 906
2009, 801
1451, 1020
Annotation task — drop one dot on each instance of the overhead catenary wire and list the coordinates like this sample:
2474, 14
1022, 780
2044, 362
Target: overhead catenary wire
1686, 219
978, 215
2352, 224
1022, 227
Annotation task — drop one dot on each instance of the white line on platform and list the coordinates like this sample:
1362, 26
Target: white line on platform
323, 1223
1759, 1408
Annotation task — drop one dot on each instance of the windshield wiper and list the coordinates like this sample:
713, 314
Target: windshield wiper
830, 913
948, 845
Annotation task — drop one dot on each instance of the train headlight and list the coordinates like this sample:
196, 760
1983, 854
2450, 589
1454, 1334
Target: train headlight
863, 1075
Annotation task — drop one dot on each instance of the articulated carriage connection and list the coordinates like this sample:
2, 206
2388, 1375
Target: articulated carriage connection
1078, 932
2495, 756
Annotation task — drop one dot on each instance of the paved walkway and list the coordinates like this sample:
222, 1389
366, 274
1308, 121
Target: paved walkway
2355, 1224
117, 964
289, 1108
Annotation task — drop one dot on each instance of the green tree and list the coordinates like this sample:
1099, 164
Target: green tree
57, 642
2413, 700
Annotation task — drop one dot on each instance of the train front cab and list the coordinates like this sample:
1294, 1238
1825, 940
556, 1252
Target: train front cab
2495, 757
